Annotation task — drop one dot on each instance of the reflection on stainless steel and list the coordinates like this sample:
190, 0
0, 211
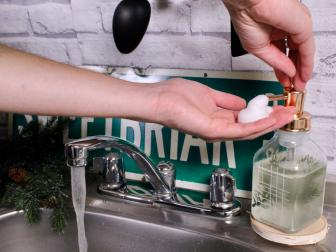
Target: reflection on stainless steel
112, 171
77, 153
222, 186
161, 177
112, 225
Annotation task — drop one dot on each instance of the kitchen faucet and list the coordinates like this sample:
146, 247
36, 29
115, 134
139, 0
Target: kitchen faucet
161, 177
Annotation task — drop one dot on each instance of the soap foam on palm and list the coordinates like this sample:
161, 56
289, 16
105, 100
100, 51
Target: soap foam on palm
256, 109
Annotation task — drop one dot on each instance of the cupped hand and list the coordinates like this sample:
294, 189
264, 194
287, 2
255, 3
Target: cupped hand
210, 114
263, 25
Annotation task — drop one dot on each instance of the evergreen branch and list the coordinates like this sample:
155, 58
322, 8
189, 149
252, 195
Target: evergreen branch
37, 175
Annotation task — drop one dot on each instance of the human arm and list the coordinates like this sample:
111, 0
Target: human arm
34, 85
262, 26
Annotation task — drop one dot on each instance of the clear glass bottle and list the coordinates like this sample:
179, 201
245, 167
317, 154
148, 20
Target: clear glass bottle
289, 179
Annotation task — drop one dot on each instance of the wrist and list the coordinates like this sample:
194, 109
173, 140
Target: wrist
140, 102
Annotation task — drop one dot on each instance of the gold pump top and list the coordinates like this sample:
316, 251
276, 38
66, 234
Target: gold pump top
302, 120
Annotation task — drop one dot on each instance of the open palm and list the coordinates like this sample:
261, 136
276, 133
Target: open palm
210, 114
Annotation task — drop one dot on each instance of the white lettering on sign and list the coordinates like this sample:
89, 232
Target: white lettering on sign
230, 154
173, 144
28, 118
108, 129
84, 125
42, 119
157, 130
130, 124
197, 142
216, 153
108, 126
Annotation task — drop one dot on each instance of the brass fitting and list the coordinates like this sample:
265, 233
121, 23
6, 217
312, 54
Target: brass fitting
302, 120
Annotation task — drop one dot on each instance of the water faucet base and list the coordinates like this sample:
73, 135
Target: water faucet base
161, 177
207, 209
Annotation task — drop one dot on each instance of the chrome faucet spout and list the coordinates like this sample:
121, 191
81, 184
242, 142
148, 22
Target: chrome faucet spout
76, 153
161, 177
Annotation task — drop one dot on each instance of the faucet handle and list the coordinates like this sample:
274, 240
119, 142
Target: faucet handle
112, 169
167, 171
222, 186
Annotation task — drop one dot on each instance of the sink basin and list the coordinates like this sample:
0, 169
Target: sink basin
115, 225
106, 233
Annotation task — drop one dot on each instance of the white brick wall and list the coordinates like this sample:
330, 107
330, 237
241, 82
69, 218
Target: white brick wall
13, 20
325, 63
323, 13
159, 50
87, 16
74, 25
53, 49
59, 22
192, 34
170, 16
209, 16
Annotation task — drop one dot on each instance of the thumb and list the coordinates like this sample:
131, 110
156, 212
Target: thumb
228, 101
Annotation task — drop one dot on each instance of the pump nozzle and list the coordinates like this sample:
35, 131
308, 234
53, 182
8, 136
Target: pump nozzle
301, 120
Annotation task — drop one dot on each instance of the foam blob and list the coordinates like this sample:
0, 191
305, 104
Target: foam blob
256, 109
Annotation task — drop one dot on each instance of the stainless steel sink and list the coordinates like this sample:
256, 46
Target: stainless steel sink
106, 232
115, 225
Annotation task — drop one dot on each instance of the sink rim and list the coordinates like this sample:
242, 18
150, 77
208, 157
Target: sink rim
8, 213
235, 230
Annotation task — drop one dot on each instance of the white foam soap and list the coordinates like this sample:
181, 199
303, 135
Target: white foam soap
256, 109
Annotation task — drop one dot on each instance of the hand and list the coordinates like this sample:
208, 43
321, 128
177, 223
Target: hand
262, 26
210, 114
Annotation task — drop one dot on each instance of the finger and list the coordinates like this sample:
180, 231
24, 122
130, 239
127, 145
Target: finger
294, 18
275, 107
298, 80
281, 114
251, 137
299, 83
277, 59
284, 116
279, 107
278, 35
305, 63
294, 56
226, 114
280, 44
290, 16
228, 101
282, 78
220, 129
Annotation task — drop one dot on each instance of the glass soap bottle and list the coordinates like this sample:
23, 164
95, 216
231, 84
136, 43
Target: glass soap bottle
289, 174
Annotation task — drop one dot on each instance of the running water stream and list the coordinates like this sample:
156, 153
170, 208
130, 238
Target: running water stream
78, 187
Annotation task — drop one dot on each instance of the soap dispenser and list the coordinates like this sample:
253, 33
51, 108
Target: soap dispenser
288, 175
